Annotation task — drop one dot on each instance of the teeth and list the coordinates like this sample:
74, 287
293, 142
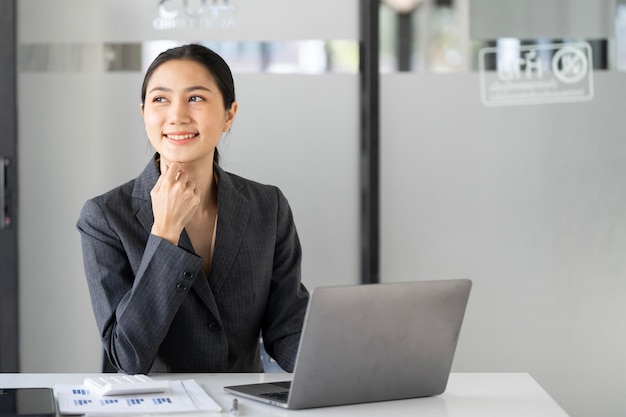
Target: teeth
181, 137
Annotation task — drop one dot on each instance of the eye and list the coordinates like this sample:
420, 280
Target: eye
159, 99
196, 98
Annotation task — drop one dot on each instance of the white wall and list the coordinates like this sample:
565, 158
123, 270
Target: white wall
79, 135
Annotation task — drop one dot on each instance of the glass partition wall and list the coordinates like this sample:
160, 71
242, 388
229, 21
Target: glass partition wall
501, 160
81, 66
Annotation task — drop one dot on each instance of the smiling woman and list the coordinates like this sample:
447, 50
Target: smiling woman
188, 264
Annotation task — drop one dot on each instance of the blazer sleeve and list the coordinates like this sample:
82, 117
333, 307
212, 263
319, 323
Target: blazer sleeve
133, 306
288, 298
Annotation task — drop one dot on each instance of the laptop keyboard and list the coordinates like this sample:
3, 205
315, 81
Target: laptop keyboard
280, 396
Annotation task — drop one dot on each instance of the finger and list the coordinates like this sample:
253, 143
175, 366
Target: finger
172, 171
182, 178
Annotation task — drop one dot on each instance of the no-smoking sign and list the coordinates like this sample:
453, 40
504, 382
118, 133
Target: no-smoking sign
570, 65
536, 74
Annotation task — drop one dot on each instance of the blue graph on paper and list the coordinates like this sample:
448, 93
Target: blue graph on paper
109, 401
159, 401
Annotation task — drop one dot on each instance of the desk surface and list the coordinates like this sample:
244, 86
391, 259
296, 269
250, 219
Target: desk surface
467, 395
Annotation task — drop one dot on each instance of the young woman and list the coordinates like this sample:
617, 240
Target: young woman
188, 264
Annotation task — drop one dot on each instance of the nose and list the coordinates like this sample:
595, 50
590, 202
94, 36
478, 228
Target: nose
178, 112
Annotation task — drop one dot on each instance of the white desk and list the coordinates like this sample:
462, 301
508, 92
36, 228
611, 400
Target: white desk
467, 395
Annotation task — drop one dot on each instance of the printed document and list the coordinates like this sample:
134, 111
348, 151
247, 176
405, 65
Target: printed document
183, 396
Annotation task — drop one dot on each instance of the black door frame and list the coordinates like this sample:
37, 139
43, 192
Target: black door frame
8, 187
370, 141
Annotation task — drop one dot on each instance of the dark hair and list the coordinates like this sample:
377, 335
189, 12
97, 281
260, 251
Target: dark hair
204, 56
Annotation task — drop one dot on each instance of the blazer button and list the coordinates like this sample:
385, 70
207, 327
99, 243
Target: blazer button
181, 286
214, 326
188, 274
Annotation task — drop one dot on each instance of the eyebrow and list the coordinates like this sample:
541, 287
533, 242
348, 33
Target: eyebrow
187, 90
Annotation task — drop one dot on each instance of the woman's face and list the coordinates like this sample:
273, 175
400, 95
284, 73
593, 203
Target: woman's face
184, 112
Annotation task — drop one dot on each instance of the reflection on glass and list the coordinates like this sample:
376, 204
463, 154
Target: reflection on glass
291, 57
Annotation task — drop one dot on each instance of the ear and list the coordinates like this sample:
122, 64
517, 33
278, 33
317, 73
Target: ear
141, 108
230, 116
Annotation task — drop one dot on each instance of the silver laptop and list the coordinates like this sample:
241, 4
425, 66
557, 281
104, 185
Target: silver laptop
374, 342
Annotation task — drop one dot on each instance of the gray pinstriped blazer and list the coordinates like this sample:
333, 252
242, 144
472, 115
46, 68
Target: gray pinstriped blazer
155, 308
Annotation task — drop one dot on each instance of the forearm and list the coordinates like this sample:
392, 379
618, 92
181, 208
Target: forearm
136, 327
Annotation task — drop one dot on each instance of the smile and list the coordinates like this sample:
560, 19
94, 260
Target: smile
181, 137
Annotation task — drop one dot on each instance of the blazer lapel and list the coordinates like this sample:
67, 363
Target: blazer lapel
141, 194
232, 219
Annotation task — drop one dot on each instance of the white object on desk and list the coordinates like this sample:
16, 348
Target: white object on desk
121, 384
